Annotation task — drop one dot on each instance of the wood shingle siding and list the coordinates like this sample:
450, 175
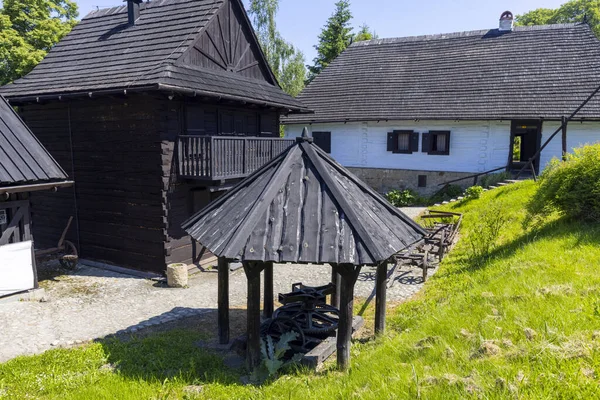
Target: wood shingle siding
530, 73
160, 52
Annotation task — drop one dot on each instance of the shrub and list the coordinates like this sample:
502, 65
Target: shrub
403, 198
486, 231
571, 187
474, 192
493, 179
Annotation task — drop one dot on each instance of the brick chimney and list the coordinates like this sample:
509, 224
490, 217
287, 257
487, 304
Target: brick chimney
506, 22
133, 11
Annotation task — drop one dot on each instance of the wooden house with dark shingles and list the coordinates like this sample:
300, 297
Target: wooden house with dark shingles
154, 109
25, 167
415, 112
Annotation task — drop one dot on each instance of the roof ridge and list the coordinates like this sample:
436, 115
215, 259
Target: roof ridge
461, 34
110, 11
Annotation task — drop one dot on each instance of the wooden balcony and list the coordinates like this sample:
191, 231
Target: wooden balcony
214, 158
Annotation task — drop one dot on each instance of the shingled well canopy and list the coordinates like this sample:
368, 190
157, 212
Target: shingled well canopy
303, 207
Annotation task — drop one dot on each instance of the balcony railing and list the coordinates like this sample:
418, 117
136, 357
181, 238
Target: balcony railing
214, 158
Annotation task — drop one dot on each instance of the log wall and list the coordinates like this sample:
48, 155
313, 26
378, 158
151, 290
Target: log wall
117, 166
128, 202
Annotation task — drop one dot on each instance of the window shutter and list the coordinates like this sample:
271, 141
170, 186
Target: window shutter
414, 142
447, 152
392, 143
323, 140
426, 146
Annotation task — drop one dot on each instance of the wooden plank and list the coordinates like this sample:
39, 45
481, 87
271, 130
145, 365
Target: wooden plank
253, 270
380, 299
337, 281
311, 217
376, 252
344, 337
259, 207
268, 291
223, 300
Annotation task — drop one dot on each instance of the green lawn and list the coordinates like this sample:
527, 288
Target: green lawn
525, 324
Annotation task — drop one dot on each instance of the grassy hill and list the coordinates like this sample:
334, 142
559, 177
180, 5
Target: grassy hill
523, 324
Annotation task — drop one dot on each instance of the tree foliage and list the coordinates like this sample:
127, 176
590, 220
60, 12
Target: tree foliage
28, 30
365, 33
571, 11
285, 60
335, 37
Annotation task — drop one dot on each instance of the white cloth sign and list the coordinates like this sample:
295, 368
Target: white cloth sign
16, 268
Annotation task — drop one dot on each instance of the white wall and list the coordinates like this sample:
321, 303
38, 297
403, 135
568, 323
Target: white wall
578, 134
474, 146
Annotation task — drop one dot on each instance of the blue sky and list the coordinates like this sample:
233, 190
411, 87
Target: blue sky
300, 21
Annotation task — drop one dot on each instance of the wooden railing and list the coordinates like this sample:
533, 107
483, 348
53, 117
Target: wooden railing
226, 157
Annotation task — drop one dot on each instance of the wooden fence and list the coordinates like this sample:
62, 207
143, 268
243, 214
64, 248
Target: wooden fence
226, 157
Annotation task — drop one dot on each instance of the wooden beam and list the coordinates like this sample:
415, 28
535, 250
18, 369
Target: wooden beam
564, 138
223, 300
253, 270
349, 275
268, 291
380, 299
34, 188
336, 279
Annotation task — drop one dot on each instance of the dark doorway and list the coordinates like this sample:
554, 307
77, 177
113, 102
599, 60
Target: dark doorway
526, 139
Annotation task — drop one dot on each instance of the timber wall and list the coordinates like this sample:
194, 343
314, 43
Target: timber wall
117, 167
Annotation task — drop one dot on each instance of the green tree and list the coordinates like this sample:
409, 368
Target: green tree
365, 33
571, 11
335, 37
285, 60
28, 30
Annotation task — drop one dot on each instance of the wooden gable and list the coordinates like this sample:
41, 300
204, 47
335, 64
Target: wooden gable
229, 44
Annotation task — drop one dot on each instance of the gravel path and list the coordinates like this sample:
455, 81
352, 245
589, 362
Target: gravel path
92, 303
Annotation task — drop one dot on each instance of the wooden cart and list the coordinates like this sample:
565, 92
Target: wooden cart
65, 251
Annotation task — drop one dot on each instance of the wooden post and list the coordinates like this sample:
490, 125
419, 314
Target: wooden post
223, 300
337, 281
349, 274
380, 299
252, 270
564, 138
268, 291
441, 249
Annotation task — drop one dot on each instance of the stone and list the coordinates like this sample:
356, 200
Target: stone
55, 343
177, 275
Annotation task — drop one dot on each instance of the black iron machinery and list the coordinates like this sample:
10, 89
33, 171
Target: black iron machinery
305, 311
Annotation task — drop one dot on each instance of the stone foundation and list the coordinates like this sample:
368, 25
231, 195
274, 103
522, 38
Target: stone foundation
385, 180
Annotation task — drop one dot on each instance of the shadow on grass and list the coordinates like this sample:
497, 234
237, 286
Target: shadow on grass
185, 350
586, 234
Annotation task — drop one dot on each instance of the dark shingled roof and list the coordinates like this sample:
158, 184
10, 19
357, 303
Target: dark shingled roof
304, 208
531, 72
103, 52
23, 160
